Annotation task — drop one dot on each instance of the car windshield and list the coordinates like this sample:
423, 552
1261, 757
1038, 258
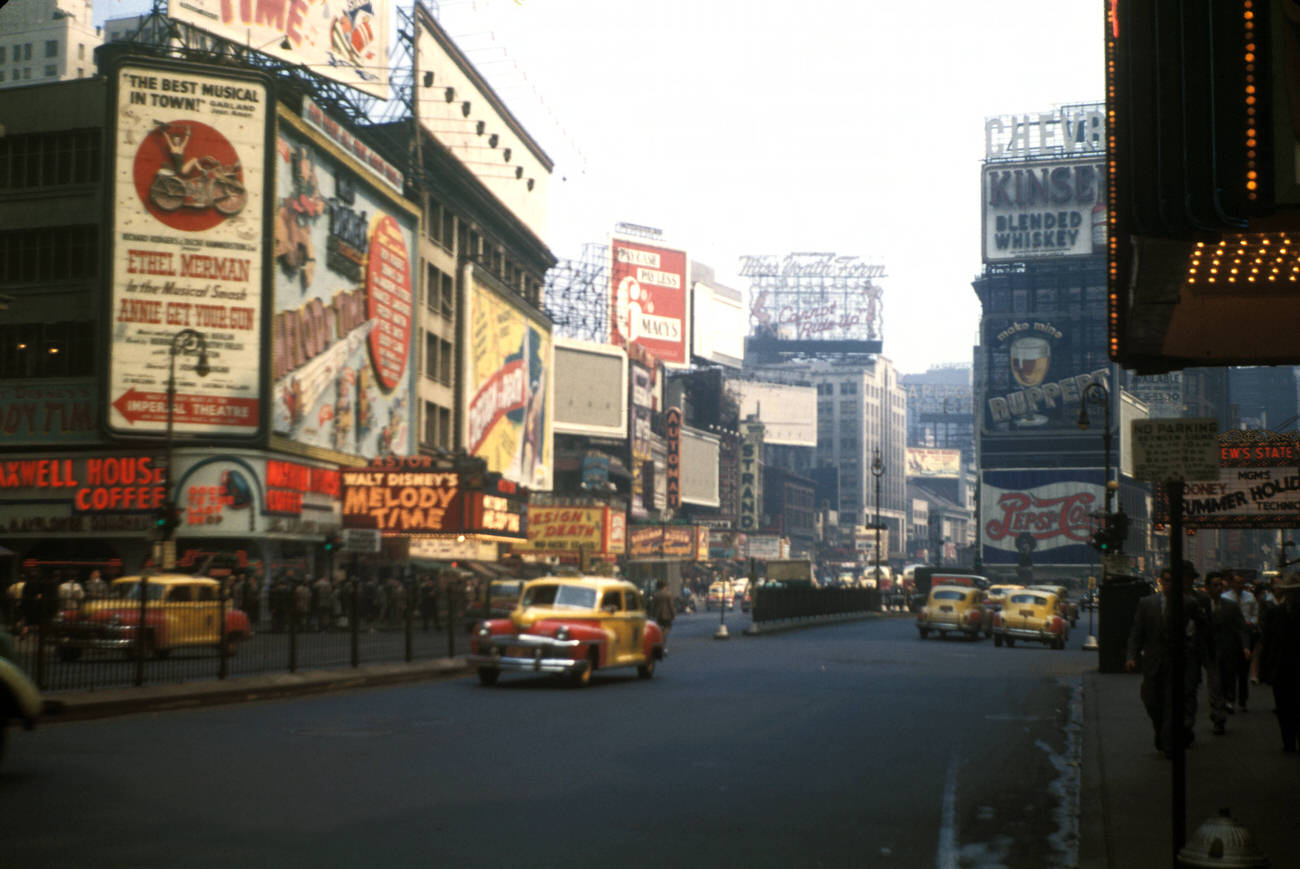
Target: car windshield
560, 596
1028, 599
131, 590
949, 594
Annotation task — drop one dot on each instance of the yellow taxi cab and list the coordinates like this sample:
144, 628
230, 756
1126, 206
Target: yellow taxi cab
1033, 615
179, 611
1069, 609
570, 626
957, 609
996, 594
721, 594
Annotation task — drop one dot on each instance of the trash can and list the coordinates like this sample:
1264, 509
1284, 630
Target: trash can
1117, 602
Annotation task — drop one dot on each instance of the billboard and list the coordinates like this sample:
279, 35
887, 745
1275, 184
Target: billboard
342, 336
186, 254
1257, 486
342, 40
508, 391
567, 529
932, 463
1055, 208
1036, 372
49, 411
718, 324
700, 468
814, 297
1040, 516
751, 477
590, 389
788, 413
648, 290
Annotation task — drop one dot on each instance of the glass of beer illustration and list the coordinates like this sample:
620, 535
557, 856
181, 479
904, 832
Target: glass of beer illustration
1030, 358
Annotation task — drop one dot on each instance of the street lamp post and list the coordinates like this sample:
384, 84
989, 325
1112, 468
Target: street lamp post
185, 341
877, 471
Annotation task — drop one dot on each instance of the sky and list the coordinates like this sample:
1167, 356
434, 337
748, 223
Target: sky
745, 127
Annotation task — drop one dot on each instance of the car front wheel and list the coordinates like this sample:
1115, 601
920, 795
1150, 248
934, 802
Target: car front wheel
997, 640
647, 670
925, 632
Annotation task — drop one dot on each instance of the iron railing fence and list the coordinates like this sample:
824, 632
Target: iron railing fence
98, 646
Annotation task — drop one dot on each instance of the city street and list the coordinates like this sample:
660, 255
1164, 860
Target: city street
847, 745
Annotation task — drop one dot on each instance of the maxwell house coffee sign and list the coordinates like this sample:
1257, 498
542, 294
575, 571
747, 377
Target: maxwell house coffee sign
1044, 515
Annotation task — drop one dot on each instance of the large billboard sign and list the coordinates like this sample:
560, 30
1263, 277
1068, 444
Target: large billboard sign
1044, 209
788, 412
507, 365
1257, 485
342, 40
1073, 130
813, 297
933, 463
1040, 516
344, 310
590, 389
1037, 372
718, 331
186, 250
648, 298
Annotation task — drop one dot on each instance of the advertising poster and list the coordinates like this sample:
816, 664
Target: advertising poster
566, 529
508, 359
649, 299
1044, 209
1037, 372
343, 307
238, 494
1040, 516
932, 463
45, 412
186, 251
343, 40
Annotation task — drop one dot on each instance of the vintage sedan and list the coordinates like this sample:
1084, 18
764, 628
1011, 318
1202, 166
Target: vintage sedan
180, 611
1033, 615
997, 595
570, 626
721, 595
1069, 609
957, 609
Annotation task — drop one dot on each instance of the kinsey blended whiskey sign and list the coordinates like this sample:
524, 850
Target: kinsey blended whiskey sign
186, 249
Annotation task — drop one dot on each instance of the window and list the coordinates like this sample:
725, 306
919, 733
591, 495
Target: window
2, 75
430, 356
444, 362
81, 53
431, 287
432, 218
430, 430
448, 297
2, 54
448, 236
180, 594
444, 428
51, 48
612, 601
848, 389
51, 70
55, 253
27, 51
61, 349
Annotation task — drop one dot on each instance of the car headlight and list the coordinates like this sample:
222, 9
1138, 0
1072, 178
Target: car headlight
484, 631
562, 633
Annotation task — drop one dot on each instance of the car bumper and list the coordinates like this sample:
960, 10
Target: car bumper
942, 624
529, 654
97, 637
1032, 634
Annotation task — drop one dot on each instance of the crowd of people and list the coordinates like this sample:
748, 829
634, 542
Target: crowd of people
293, 599
1236, 637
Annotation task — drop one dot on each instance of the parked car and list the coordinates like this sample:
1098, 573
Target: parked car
957, 609
1068, 607
1031, 614
180, 611
20, 700
570, 626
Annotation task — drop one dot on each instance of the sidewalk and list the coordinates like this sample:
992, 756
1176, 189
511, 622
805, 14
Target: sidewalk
1128, 786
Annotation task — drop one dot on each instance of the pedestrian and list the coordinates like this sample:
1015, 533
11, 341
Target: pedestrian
1236, 691
302, 603
96, 588
662, 609
1148, 648
1280, 651
429, 602
1229, 645
71, 594
323, 602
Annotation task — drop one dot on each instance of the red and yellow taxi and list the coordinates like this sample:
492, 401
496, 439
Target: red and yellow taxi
570, 626
180, 611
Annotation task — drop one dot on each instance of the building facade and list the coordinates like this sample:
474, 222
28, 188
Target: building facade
44, 41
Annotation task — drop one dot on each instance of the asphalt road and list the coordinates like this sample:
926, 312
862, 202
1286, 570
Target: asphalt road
849, 745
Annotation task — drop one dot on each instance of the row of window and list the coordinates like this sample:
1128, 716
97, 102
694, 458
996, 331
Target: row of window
50, 159
33, 350
51, 253
23, 50
442, 227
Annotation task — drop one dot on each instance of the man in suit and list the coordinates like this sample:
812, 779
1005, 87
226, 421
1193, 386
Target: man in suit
1229, 645
1148, 646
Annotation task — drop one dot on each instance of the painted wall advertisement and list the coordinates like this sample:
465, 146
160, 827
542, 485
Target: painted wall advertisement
187, 252
343, 40
507, 362
932, 463
649, 300
344, 311
1037, 372
1040, 517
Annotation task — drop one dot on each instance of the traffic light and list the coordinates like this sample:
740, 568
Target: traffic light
333, 542
167, 519
1111, 535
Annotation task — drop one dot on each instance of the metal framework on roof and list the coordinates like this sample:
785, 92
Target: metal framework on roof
577, 297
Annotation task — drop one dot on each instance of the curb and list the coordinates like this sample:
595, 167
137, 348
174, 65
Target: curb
810, 622
87, 705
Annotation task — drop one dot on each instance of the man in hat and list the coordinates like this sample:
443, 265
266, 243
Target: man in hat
1236, 690
1280, 657
1229, 645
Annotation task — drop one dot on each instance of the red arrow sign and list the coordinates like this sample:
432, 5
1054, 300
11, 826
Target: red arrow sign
213, 410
